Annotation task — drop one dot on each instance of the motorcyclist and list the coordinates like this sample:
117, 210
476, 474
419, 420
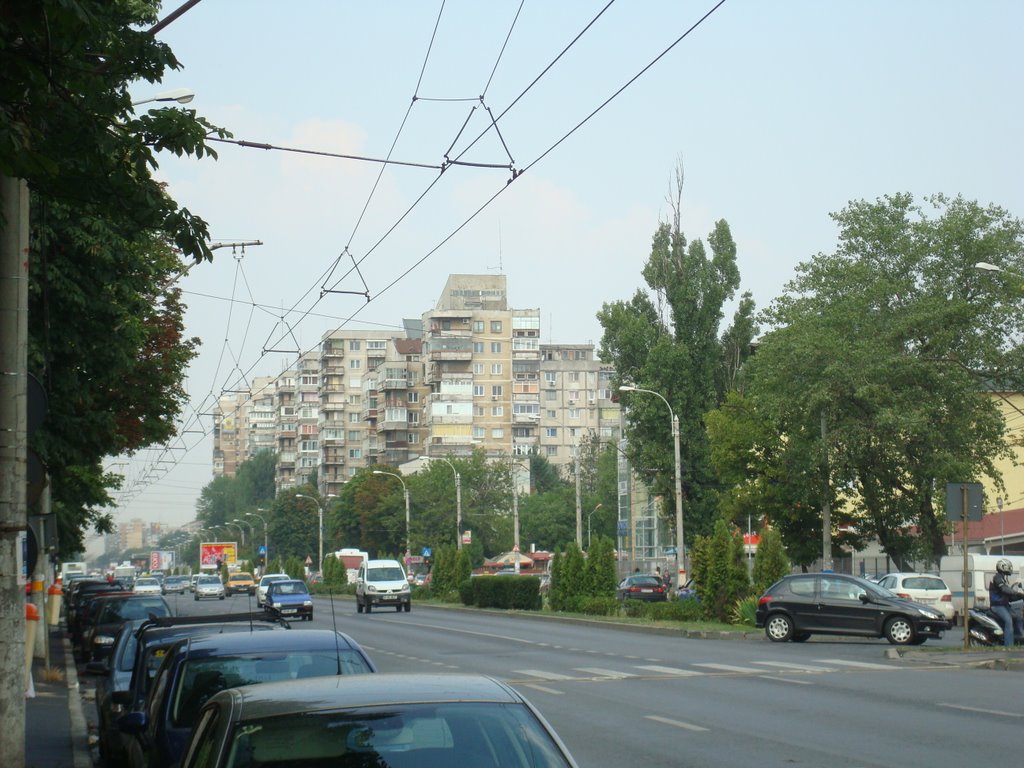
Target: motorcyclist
1000, 593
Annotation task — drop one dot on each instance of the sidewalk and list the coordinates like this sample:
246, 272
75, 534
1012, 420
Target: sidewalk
55, 729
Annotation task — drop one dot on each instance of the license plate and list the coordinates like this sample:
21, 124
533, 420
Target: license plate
387, 597
289, 610
646, 590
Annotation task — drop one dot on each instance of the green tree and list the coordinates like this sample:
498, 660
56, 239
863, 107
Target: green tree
600, 568
770, 561
880, 354
720, 574
666, 340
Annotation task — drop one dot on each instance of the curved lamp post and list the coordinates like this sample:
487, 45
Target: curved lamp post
180, 95
405, 490
680, 539
320, 523
266, 548
458, 502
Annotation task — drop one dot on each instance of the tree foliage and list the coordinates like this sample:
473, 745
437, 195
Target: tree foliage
770, 561
665, 339
882, 358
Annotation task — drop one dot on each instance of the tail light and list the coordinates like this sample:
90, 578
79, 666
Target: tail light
764, 600
904, 595
947, 599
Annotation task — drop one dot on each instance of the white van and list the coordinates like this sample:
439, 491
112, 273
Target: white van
382, 582
980, 571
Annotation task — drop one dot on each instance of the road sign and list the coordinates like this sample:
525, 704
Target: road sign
427, 552
262, 550
309, 560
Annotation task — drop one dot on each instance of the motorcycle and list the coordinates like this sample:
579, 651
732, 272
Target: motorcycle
985, 628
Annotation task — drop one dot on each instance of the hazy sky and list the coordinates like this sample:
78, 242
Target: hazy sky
780, 112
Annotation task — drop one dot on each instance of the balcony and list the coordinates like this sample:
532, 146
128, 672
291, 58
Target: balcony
394, 383
447, 348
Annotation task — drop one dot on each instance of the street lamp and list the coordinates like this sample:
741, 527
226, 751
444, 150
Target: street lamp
180, 95
241, 531
320, 523
458, 502
588, 525
680, 539
266, 548
405, 489
252, 532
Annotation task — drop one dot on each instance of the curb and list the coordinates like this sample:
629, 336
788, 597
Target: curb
79, 731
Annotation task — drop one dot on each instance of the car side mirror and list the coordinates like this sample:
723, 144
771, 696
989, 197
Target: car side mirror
133, 722
864, 597
124, 698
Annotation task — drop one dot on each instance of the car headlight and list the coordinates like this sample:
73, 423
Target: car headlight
405, 589
103, 640
307, 603
275, 606
370, 588
929, 613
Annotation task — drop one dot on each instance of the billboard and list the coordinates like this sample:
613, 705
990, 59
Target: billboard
161, 560
213, 553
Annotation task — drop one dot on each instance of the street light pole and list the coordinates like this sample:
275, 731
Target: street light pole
680, 538
405, 490
320, 523
180, 95
266, 548
458, 502
588, 525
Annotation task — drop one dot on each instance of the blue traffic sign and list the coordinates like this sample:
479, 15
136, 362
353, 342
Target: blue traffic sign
262, 550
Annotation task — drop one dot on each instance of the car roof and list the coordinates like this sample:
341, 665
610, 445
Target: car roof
270, 642
274, 576
334, 692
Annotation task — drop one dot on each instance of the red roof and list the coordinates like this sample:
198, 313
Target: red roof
995, 525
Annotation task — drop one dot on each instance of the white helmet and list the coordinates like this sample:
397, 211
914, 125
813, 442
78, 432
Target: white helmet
1004, 566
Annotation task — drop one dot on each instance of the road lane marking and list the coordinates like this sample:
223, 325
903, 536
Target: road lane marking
669, 670
858, 664
605, 672
542, 674
776, 679
795, 667
543, 689
731, 668
676, 723
998, 712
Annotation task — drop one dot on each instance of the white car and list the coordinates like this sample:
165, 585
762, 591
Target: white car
209, 586
261, 588
923, 588
147, 586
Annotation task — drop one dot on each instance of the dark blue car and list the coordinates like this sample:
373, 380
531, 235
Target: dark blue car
194, 669
289, 599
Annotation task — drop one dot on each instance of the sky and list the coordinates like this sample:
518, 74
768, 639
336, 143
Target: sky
779, 113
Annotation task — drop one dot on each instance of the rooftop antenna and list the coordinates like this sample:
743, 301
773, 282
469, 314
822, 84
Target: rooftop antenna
500, 268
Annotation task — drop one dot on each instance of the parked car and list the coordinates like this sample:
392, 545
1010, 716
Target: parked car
240, 583
147, 586
110, 613
192, 581
209, 586
85, 614
800, 605
176, 585
288, 598
113, 675
638, 587
78, 603
382, 582
921, 588
401, 721
194, 669
261, 588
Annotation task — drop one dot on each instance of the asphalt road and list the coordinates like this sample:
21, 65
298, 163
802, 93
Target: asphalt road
627, 697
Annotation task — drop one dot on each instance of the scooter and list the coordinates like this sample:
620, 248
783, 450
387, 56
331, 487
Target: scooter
985, 628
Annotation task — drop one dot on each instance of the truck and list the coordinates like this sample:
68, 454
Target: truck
980, 570
72, 568
353, 559
124, 572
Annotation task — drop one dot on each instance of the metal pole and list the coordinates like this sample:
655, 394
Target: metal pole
266, 545
515, 525
458, 510
408, 537
966, 613
1002, 530
680, 537
579, 509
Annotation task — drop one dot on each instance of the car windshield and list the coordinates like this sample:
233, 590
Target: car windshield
117, 611
241, 577
209, 580
289, 588
147, 583
396, 736
385, 574
204, 677
266, 580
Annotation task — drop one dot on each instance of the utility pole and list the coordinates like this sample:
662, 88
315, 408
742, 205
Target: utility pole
14, 241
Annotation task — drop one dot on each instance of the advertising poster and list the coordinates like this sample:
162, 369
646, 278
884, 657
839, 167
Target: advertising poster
213, 553
161, 560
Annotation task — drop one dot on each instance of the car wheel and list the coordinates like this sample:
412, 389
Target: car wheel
398, 608
899, 630
408, 607
368, 607
779, 628
196, 598
222, 597
801, 637
359, 606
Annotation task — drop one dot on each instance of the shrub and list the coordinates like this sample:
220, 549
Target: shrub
514, 592
599, 606
770, 562
745, 611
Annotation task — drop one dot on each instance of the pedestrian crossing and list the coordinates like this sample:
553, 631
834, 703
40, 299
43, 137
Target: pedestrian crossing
696, 669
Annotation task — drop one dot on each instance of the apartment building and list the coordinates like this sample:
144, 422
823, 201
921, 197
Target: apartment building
395, 394
244, 424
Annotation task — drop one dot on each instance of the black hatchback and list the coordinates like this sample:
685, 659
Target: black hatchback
801, 605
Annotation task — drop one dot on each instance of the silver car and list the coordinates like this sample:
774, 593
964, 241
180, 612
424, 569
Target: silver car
209, 586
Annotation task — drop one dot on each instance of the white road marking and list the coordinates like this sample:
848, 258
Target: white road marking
795, 667
785, 680
542, 674
543, 689
731, 668
669, 670
604, 672
858, 664
998, 712
676, 723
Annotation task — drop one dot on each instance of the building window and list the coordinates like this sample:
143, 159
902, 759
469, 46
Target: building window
550, 450
355, 453
308, 445
478, 410
522, 431
353, 418
355, 399
354, 434
478, 432
478, 369
379, 344
478, 390
353, 346
496, 347
413, 438
551, 431
497, 433
574, 376
414, 417
550, 376
495, 369
497, 390
550, 414
574, 413
355, 362
412, 397
495, 326
478, 326
497, 410
550, 394
446, 324
355, 383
